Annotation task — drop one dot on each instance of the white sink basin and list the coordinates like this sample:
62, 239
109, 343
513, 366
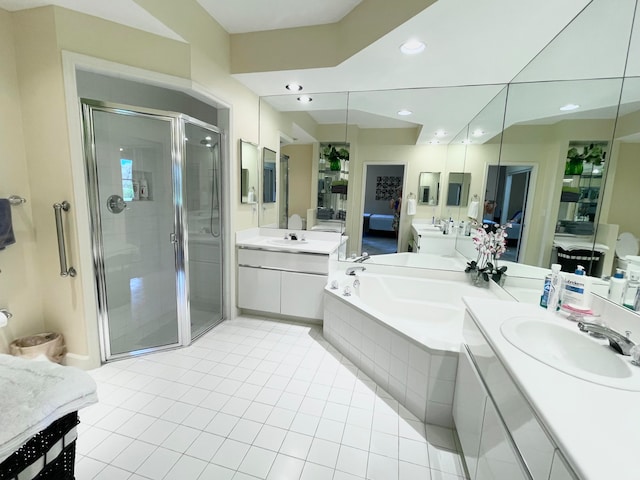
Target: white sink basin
572, 352
286, 242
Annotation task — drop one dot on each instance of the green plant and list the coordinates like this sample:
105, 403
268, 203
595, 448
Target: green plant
335, 156
592, 153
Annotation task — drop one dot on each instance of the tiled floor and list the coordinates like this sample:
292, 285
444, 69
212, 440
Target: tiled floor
254, 399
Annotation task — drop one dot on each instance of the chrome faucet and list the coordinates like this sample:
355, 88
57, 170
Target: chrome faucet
362, 258
620, 343
293, 236
352, 270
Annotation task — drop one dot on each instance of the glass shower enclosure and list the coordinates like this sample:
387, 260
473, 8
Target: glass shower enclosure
154, 194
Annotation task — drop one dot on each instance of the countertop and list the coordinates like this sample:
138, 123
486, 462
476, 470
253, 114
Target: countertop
596, 427
273, 240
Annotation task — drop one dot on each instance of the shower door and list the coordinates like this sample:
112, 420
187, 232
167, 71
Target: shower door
202, 147
135, 196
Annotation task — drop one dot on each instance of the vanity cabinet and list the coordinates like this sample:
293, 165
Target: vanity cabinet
500, 435
285, 283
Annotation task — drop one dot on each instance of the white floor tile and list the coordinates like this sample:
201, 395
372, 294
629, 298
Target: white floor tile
255, 399
134, 455
216, 472
270, 437
181, 438
230, 454
384, 444
285, 468
381, 467
415, 452
296, 445
110, 448
205, 446
323, 452
112, 473
186, 468
411, 471
257, 462
312, 471
352, 460
356, 437
245, 431
158, 463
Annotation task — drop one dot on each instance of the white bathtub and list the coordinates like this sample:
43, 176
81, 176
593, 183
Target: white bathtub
422, 260
404, 332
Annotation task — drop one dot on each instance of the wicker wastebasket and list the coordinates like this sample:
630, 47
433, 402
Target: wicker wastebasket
49, 344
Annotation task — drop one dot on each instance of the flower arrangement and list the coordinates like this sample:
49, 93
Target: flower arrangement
490, 244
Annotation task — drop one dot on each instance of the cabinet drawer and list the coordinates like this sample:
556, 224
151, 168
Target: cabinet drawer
259, 289
468, 410
300, 262
302, 294
498, 460
530, 438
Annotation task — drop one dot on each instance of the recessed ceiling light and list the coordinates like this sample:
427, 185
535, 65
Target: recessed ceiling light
466, 141
434, 142
121, 149
477, 132
412, 47
441, 133
293, 87
569, 106
304, 99
207, 137
404, 112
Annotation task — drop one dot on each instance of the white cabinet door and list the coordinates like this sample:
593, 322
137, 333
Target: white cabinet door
497, 459
259, 289
302, 294
560, 470
468, 410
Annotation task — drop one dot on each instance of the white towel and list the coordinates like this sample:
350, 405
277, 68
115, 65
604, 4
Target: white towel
411, 206
36, 393
472, 212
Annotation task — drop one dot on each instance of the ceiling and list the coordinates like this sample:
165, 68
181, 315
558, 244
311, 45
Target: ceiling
474, 46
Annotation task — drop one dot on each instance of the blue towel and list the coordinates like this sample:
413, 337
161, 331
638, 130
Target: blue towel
6, 228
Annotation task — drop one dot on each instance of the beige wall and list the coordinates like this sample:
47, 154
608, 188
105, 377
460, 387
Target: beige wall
20, 286
624, 207
39, 165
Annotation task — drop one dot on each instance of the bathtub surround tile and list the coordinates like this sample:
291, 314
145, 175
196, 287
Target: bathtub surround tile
324, 418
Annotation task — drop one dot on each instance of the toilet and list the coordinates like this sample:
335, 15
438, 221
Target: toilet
627, 251
295, 222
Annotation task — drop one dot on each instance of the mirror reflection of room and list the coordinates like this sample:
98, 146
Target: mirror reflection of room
249, 172
429, 188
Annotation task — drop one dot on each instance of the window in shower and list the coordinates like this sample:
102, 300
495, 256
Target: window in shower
126, 169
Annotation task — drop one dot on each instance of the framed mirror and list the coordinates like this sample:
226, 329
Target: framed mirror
249, 172
458, 189
429, 188
269, 172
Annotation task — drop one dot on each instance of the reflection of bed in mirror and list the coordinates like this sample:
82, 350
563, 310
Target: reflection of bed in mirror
374, 223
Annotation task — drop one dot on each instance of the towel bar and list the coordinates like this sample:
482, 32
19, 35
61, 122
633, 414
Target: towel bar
58, 208
16, 200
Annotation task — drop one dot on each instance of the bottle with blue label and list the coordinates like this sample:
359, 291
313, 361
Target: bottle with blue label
576, 289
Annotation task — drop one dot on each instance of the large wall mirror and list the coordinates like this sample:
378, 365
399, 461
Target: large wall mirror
249, 172
458, 189
429, 188
582, 91
299, 129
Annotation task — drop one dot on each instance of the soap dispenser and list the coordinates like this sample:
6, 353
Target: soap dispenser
617, 285
576, 289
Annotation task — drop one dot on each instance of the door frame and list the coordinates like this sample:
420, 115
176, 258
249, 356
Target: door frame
177, 165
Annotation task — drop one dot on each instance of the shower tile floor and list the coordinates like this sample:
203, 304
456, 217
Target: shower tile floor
254, 399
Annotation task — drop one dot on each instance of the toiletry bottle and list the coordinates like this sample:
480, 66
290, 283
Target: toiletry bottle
144, 188
452, 226
617, 285
251, 198
630, 293
576, 289
555, 288
544, 298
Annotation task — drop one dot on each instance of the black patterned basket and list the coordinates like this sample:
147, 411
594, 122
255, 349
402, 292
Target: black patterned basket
48, 455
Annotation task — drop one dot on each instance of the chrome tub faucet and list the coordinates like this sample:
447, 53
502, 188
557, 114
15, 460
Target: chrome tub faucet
352, 270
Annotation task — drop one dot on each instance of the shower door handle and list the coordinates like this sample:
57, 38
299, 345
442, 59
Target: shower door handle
58, 208
172, 238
